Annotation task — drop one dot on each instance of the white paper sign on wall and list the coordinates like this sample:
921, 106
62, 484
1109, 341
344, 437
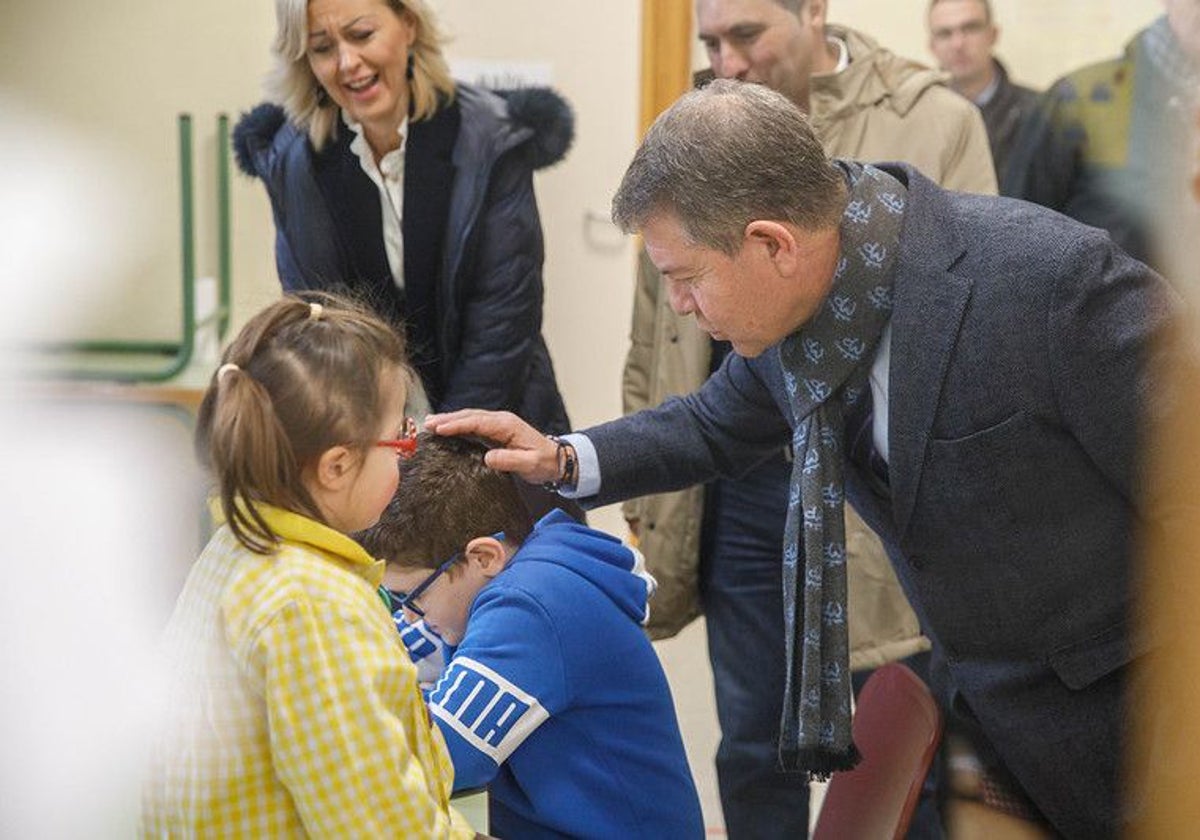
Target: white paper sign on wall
502, 74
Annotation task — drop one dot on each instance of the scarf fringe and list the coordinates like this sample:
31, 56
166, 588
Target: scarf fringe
819, 763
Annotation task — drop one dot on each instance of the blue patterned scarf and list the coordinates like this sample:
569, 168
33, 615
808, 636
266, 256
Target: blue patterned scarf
826, 364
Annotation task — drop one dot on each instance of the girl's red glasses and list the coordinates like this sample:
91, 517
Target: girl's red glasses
406, 445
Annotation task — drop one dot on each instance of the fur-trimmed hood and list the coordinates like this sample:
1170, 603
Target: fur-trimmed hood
256, 128
550, 117
541, 110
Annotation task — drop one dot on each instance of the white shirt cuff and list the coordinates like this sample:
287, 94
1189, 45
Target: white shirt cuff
587, 469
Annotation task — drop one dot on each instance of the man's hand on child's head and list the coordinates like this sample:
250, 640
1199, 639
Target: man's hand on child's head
521, 449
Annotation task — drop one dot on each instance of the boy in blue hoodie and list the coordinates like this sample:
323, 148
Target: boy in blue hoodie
553, 696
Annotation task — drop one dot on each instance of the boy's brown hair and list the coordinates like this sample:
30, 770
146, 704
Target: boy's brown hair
446, 498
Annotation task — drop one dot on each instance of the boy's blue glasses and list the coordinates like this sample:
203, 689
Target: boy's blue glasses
408, 601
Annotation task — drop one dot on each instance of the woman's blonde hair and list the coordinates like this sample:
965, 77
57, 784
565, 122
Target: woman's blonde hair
292, 84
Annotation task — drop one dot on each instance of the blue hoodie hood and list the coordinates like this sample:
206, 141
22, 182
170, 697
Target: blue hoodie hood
604, 561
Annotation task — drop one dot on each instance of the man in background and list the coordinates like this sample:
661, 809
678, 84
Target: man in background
962, 37
717, 548
1109, 144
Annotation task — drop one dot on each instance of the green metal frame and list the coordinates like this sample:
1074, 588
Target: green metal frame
94, 360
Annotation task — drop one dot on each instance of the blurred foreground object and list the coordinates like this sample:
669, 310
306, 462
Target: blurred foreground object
97, 500
1165, 762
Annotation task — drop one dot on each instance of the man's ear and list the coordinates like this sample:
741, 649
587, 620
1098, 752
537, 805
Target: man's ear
816, 12
488, 554
335, 468
777, 241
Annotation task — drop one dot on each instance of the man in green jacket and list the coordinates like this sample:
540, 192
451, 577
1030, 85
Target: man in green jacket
1109, 143
864, 103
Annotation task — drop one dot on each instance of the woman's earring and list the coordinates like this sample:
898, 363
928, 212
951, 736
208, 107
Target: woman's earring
322, 96
408, 72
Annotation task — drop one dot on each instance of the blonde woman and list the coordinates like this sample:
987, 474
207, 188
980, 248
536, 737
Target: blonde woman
393, 182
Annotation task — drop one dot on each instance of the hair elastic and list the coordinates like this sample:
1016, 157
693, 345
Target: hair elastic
315, 310
226, 368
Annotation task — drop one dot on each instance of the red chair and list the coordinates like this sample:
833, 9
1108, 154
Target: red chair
897, 727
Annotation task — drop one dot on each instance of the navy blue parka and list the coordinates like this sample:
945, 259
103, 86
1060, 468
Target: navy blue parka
471, 304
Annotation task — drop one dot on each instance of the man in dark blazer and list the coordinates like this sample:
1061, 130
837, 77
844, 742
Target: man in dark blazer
1008, 384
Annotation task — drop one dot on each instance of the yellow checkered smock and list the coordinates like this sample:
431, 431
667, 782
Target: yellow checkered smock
294, 707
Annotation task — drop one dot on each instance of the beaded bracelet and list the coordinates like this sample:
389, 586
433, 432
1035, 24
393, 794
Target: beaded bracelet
565, 456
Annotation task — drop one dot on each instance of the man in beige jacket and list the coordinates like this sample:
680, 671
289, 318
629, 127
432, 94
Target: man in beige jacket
722, 554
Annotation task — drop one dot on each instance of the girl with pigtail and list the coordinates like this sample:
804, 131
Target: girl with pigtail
295, 709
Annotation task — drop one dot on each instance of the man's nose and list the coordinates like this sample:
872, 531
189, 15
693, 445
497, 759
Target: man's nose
731, 63
680, 298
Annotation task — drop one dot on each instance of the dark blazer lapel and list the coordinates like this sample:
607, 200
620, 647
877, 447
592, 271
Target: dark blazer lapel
930, 302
